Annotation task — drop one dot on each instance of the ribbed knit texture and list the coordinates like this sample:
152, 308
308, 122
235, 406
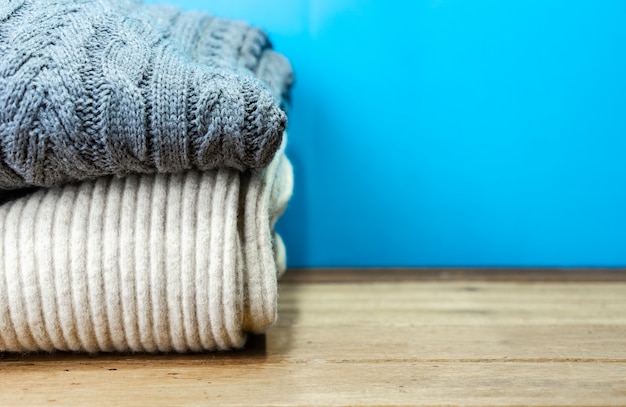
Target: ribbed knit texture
224, 43
181, 262
89, 88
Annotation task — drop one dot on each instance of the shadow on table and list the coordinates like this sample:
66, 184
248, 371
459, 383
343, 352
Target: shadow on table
253, 352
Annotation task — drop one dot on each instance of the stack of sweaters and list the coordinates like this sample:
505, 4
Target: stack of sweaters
142, 171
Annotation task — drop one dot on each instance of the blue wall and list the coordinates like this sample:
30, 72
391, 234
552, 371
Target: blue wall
452, 132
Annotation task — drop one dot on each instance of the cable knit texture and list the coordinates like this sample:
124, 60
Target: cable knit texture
223, 43
178, 262
90, 88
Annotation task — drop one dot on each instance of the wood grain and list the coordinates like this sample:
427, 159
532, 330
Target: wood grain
374, 343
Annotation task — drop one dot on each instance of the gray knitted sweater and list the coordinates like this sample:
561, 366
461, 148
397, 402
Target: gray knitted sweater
98, 87
219, 42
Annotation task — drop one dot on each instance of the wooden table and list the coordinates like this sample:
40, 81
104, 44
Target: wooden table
370, 337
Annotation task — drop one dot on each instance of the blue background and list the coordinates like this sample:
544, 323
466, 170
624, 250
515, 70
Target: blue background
452, 132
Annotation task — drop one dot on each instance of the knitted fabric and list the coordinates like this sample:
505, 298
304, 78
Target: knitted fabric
179, 262
224, 43
89, 89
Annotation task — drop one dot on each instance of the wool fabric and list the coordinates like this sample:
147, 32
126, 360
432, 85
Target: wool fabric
89, 89
155, 262
224, 43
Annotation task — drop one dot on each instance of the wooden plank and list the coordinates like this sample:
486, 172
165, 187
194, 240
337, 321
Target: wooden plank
168, 382
372, 274
424, 343
455, 303
427, 343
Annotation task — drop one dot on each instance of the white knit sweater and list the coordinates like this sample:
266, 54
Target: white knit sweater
179, 262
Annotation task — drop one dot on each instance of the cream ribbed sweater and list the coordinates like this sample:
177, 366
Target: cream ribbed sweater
178, 262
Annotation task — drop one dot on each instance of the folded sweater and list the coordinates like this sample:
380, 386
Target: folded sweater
165, 262
91, 88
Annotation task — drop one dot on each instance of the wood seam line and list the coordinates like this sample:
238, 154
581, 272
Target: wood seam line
351, 275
